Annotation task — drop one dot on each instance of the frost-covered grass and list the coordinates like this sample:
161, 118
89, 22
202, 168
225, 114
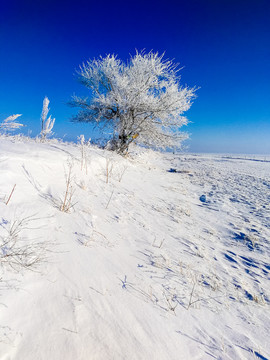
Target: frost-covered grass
146, 263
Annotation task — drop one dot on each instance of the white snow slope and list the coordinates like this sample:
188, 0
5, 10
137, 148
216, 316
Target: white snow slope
147, 264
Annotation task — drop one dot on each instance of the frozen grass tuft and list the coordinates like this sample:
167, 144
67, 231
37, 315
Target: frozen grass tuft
17, 251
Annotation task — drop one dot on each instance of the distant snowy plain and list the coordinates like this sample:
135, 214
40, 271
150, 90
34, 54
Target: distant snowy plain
161, 256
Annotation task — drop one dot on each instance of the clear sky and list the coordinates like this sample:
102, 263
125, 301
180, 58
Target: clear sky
223, 45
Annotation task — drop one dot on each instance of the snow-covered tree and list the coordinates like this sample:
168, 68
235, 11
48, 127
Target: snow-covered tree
141, 99
10, 123
46, 123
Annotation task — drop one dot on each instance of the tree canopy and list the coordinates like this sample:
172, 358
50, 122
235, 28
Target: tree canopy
141, 99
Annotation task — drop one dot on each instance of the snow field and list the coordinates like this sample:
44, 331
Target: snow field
146, 263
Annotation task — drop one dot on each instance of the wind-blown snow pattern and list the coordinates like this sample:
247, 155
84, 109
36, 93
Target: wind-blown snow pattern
160, 256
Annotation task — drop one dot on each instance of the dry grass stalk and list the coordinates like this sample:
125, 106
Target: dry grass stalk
84, 144
154, 244
109, 168
109, 200
67, 204
122, 173
10, 194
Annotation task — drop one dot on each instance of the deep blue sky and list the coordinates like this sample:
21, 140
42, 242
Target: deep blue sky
224, 46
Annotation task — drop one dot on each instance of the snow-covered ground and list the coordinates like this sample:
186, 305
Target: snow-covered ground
160, 256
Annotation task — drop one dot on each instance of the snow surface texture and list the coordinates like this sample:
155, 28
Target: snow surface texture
159, 256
